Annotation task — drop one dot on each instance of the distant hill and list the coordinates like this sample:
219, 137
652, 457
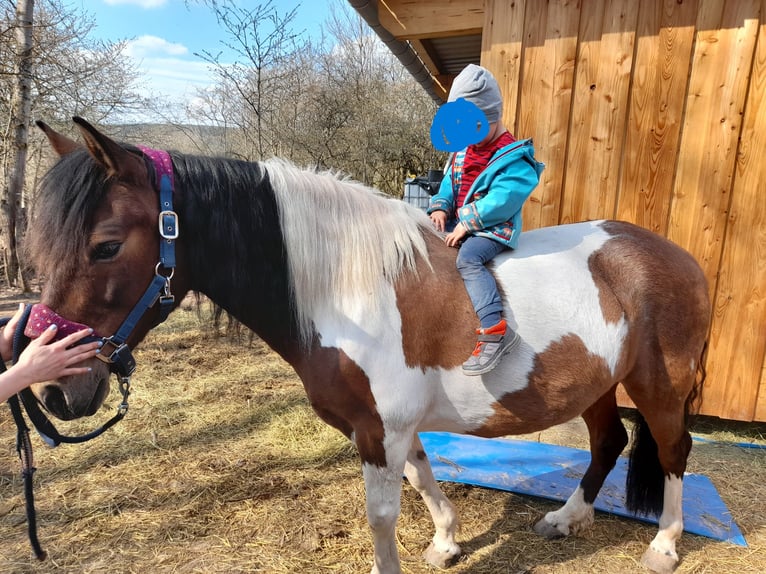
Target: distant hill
194, 139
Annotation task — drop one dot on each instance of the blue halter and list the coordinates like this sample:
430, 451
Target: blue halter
115, 350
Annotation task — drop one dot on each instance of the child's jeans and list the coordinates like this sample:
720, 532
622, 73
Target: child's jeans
472, 257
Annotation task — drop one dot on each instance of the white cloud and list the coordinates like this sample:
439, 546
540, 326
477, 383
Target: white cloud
153, 47
146, 4
178, 76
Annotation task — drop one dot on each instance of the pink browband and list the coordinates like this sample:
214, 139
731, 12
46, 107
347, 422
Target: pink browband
162, 163
41, 317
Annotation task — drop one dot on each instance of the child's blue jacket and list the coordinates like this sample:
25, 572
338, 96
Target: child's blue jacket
493, 205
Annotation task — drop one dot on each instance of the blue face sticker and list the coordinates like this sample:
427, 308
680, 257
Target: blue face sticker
457, 125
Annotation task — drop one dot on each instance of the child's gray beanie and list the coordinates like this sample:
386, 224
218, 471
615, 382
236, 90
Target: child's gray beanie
478, 86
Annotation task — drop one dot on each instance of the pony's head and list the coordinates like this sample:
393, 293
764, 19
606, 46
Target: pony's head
95, 241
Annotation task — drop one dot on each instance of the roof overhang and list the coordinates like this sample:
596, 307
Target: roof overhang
433, 39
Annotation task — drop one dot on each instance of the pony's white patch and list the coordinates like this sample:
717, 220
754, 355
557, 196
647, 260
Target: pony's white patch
560, 254
671, 520
569, 296
574, 516
342, 238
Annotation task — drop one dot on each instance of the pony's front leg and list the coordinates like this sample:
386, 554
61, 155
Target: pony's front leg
383, 486
443, 551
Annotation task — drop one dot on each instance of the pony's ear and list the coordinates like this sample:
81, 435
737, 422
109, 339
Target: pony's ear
61, 144
116, 160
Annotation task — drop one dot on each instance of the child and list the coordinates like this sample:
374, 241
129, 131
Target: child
479, 206
42, 361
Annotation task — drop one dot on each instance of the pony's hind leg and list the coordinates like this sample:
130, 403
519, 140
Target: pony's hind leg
443, 551
607, 439
655, 482
660, 451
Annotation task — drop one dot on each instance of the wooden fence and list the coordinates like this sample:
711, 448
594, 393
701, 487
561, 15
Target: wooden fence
654, 111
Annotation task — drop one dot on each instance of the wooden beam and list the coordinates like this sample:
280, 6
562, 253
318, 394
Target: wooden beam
441, 83
427, 55
409, 19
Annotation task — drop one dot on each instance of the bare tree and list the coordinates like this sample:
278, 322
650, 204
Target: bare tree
264, 45
50, 70
19, 125
343, 103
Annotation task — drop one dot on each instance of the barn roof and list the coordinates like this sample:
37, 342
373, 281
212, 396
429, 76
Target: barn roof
434, 41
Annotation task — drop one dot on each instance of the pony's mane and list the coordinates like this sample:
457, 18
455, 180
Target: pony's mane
343, 239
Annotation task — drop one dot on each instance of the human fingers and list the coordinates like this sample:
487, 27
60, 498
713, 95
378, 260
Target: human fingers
11, 325
80, 353
46, 336
72, 338
71, 371
437, 221
7, 333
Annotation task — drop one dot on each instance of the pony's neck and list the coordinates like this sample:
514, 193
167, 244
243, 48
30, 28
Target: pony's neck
233, 245
277, 246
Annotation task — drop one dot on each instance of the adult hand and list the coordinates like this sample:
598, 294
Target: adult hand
44, 360
454, 238
6, 336
439, 219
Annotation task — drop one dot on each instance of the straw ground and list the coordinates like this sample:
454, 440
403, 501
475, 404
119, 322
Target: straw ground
221, 466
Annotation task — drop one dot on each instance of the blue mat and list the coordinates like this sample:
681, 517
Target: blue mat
554, 472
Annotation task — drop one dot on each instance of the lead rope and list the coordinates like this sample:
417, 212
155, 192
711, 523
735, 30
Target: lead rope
24, 448
23, 443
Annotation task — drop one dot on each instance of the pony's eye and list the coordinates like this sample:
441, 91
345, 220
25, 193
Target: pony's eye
104, 251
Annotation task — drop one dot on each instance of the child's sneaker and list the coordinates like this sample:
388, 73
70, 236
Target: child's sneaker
490, 348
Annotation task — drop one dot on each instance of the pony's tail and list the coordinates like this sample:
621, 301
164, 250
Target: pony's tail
646, 478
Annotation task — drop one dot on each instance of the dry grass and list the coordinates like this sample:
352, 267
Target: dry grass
220, 466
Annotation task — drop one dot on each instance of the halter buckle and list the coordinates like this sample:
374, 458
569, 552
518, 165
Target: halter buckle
121, 359
168, 221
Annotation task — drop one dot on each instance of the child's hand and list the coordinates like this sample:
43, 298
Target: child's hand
6, 336
439, 219
45, 361
454, 238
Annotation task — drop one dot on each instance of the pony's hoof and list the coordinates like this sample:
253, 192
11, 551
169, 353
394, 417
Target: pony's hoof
548, 530
440, 559
659, 562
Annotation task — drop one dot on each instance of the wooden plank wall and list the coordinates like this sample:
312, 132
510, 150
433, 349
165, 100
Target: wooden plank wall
654, 111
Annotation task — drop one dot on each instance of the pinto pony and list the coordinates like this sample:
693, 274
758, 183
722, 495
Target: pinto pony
359, 294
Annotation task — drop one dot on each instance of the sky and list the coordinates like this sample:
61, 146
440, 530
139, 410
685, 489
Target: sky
164, 35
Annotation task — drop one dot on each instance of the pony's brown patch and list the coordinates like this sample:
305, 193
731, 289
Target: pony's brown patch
611, 307
339, 392
666, 333
438, 326
553, 391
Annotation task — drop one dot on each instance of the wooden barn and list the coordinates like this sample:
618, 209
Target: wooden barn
650, 111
